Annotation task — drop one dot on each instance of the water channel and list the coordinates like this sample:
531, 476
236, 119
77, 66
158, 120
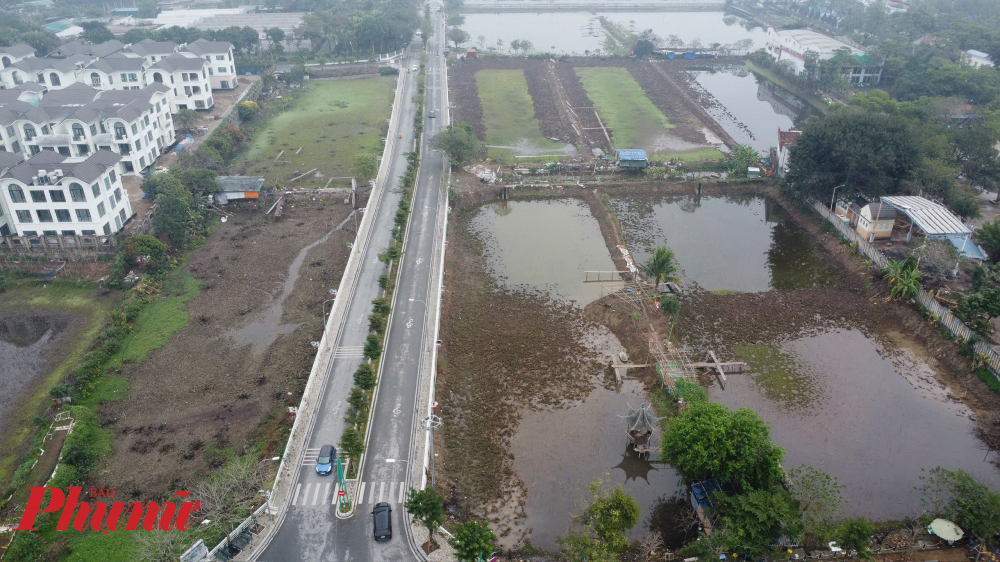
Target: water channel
577, 33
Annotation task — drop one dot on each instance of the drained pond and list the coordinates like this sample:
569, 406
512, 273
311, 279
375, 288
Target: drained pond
863, 408
27, 342
734, 243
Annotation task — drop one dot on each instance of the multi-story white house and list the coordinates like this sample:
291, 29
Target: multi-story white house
14, 53
187, 79
78, 121
222, 67
116, 72
48, 194
52, 73
151, 50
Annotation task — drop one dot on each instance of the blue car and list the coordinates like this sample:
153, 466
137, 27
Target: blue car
324, 463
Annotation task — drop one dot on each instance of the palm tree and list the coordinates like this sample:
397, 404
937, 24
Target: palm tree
903, 278
661, 266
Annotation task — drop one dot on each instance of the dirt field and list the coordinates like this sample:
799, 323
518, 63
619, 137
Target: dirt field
553, 85
239, 361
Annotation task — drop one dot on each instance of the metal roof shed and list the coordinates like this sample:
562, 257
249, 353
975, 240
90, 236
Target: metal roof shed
937, 222
631, 158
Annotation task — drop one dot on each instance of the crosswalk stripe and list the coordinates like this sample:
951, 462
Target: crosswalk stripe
392, 490
361, 494
381, 491
295, 498
402, 491
326, 490
371, 494
316, 495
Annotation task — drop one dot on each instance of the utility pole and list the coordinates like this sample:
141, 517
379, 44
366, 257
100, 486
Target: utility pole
433, 422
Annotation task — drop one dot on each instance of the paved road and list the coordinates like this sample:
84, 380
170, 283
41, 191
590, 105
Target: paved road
311, 531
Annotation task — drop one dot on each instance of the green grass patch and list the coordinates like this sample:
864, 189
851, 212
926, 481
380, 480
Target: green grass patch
333, 121
116, 546
509, 114
623, 106
989, 379
158, 321
699, 155
818, 103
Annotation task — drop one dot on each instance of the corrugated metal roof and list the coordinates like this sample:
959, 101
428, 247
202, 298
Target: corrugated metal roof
935, 220
631, 154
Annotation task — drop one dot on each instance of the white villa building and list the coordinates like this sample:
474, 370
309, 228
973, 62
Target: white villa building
49, 195
793, 44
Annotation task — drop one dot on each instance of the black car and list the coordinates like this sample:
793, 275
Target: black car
382, 519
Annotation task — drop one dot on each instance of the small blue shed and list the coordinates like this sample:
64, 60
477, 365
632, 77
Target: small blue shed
631, 159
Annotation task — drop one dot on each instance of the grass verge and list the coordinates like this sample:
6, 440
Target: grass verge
699, 155
623, 106
159, 321
332, 121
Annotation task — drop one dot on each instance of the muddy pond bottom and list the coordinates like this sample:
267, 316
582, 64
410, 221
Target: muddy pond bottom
723, 243
867, 411
543, 247
558, 453
26, 343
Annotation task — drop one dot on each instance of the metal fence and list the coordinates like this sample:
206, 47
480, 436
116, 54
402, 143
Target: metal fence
237, 531
987, 352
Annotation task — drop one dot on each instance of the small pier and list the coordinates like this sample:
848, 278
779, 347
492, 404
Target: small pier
719, 367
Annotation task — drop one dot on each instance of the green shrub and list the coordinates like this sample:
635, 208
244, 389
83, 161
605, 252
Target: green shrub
364, 377
373, 347
827, 227
376, 323
670, 304
990, 379
27, 547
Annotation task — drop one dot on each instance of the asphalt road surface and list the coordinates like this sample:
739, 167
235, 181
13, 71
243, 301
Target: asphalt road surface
311, 530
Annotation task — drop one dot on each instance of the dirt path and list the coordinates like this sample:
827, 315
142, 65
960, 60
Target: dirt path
206, 391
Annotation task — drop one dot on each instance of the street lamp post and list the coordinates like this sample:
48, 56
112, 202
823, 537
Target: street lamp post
834, 196
433, 422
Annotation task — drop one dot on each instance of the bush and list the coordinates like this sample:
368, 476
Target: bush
670, 304
989, 379
388, 71
27, 547
373, 347
84, 447
827, 227
247, 110
364, 377
376, 323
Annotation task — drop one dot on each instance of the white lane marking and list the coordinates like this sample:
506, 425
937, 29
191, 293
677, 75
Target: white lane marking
396, 411
409, 323
392, 490
316, 494
402, 491
361, 493
381, 491
371, 494
336, 490
326, 491
295, 498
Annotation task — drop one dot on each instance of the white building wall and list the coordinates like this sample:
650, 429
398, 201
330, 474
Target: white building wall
103, 206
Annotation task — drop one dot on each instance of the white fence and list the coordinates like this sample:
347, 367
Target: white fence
987, 352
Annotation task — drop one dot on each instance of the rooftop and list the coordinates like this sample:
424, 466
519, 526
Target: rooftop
19, 50
176, 62
937, 222
26, 171
631, 154
148, 47
202, 47
815, 41
240, 183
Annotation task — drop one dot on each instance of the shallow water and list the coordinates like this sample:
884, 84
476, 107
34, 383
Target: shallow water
26, 341
580, 32
266, 328
739, 243
543, 247
749, 109
870, 413
558, 453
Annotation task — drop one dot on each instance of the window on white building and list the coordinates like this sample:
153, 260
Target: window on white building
96, 188
62, 215
57, 195
100, 209
16, 194
44, 215
38, 196
76, 193
24, 216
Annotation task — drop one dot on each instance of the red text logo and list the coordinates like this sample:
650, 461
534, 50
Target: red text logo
83, 516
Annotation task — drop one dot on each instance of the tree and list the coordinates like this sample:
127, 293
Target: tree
857, 148
428, 508
752, 520
742, 157
710, 440
201, 181
172, 218
989, 236
818, 495
373, 347
661, 266
94, 32
457, 36
247, 110
230, 492
611, 514
459, 142
351, 443
365, 167
582, 548
186, 119
526, 46
643, 48
275, 35
364, 377
903, 278
376, 323
978, 309
855, 534
515, 45
473, 541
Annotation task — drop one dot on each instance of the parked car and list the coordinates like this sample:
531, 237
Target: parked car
382, 521
432, 113
324, 463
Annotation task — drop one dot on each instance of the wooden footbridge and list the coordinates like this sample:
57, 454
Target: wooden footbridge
719, 367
